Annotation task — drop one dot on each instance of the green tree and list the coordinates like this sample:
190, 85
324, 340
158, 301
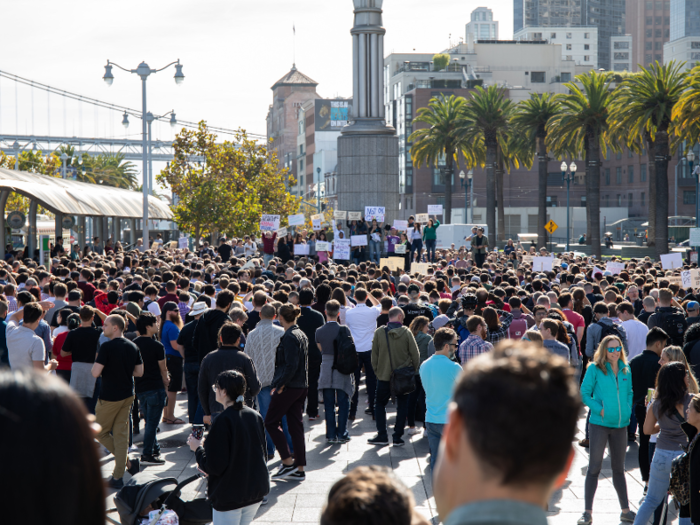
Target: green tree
440, 140
582, 127
643, 107
686, 113
441, 61
531, 117
228, 191
514, 150
485, 120
32, 162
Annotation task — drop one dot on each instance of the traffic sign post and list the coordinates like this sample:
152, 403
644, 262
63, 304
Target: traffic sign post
551, 227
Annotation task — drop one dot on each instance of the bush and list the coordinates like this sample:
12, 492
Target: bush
440, 61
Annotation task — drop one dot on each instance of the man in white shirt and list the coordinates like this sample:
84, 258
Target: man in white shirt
362, 321
636, 330
26, 350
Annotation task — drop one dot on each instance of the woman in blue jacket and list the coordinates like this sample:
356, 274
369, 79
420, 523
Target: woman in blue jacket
607, 391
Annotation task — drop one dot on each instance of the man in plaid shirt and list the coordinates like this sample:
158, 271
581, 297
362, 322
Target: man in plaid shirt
474, 345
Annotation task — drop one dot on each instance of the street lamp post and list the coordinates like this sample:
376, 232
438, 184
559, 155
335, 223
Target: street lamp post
318, 189
470, 177
568, 177
691, 159
466, 194
143, 71
466, 181
64, 158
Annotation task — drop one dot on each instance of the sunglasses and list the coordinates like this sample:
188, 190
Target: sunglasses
613, 349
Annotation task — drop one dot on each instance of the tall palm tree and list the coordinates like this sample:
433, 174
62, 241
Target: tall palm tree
110, 169
643, 107
582, 127
440, 140
485, 118
531, 116
686, 112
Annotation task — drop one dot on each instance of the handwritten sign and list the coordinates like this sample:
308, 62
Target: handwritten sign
421, 268
316, 224
400, 225
359, 240
317, 217
527, 259
182, 243
400, 249
434, 209
393, 263
281, 232
296, 220
542, 264
340, 215
341, 249
614, 267
322, 246
374, 212
675, 279
669, 261
270, 222
422, 218
354, 215
690, 279
301, 249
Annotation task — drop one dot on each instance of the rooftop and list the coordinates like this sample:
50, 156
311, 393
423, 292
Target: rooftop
295, 78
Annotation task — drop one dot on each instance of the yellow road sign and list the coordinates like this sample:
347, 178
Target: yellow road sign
551, 227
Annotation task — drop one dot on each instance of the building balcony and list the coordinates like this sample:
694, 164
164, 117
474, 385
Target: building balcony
427, 67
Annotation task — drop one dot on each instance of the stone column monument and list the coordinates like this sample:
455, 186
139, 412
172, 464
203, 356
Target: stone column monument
368, 149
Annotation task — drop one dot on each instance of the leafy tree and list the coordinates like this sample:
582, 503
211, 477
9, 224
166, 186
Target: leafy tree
229, 190
441, 61
686, 113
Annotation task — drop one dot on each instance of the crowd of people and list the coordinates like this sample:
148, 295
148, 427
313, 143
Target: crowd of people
262, 340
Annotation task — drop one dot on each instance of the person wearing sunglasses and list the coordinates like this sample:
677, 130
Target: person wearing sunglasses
607, 391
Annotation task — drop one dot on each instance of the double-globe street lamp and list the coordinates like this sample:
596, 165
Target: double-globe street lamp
144, 71
568, 177
468, 194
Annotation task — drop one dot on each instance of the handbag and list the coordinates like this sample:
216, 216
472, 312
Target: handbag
403, 380
679, 486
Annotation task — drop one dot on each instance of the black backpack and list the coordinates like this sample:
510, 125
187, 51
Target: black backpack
674, 324
606, 330
345, 355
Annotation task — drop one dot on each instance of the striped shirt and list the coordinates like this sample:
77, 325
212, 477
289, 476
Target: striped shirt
471, 347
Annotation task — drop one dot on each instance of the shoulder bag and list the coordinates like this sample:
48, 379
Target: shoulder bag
403, 380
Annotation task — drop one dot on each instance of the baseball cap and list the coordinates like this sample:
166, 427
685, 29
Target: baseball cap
693, 305
475, 279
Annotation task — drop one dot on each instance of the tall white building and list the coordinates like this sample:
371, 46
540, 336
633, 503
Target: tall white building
684, 45
621, 53
579, 44
482, 25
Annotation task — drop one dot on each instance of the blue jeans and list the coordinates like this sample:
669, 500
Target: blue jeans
264, 403
341, 430
659, 479
191, 381
430, 249
267, 257
151, 403
434, 436
242, 516
416, 246
375, 251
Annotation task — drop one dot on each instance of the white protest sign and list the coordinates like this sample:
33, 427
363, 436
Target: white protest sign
354, 215
296, 220
374, 212
400, 225
301, 249
393, 263
669, 261
694, 237
340, 215
434, 209
542, 264
269, 222
182, 243
316, 224
686, 279
359, 240
422, 218
317, 216
281, 232
596, 270
400, 249
421, 268
341, 249
614, 267
322, 246
695, 278
409, 233
675, 279
527, 259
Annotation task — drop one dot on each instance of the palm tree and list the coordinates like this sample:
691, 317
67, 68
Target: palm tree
513, 151
485, 119
686, 112
440, 140
582, 127
643, 107
110, 169
531, 116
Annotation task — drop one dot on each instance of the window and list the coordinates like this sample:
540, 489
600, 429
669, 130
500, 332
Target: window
619, 200
622, 55
568, 36
648, 45
301, 179
657, 46
566, 77
630, 174
659, 58
657, 33
553, 35
649, 33
552, 201
301, 149
629, 200
586, 47
667, 20
689, 197
618, 155
586, 58
629, 154
301, 166
647, 58
650, 5
643, 173
537, 77
695, 45
587, 36
658, 20
659, 5
643, 198
607, 176
650, 21
569, 47
667, 33
607, 201
569, 57
618, 175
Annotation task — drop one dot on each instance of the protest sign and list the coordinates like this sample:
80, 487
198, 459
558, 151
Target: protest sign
341, 249
182, 243
595, 271
270, 222
296, 220
317, 217
374, 212
527, 259
340, 215
422, 218
400, 249
675, 279
281, 232
316, 224
322, 246
421, 268
434, 209
354, 215
690, 279
400, 225
669, 261
542, 264
615, 267
393, 263
359, 240
301, 249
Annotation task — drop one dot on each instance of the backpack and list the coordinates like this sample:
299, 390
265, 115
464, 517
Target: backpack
679, 486
606, 330
344, 353
517, 328
462, 332
674, 324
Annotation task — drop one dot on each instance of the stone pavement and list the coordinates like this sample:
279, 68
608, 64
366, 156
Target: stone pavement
301, 502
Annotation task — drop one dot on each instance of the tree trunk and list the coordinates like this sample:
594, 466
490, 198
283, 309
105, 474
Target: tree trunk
542, 191
491, 190
499, 196
449, 175
589, 176
651, 174
593, 200
661, 219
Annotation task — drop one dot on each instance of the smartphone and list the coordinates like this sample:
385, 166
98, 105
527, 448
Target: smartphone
197, 431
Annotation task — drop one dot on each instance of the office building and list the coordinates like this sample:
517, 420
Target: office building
579, 44
482, 25
621, 53
684, 42
648, 22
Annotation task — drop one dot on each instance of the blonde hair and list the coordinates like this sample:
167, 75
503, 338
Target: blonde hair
601, 354
675, 354
533, 336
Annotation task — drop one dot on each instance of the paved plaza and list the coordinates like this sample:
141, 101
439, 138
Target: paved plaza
301, 502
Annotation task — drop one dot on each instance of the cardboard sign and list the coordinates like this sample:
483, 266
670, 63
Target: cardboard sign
393, 263
182, 243
422, 218
317, 217
316, 224
615, 268
341, 249
542, 264
400, 249
270, 222
669, 261
281, 232
296, 220
400, 225
354, 215
359, 240
322, 246
690, 279
527, 259
421, 268
340, 215
434, 209
301, 249
675, 279
374, 212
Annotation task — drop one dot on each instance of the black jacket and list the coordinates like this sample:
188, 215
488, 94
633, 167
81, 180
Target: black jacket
225, 358
206, 335
234, 456
291, 360
309, 321
691, 349
645, 367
